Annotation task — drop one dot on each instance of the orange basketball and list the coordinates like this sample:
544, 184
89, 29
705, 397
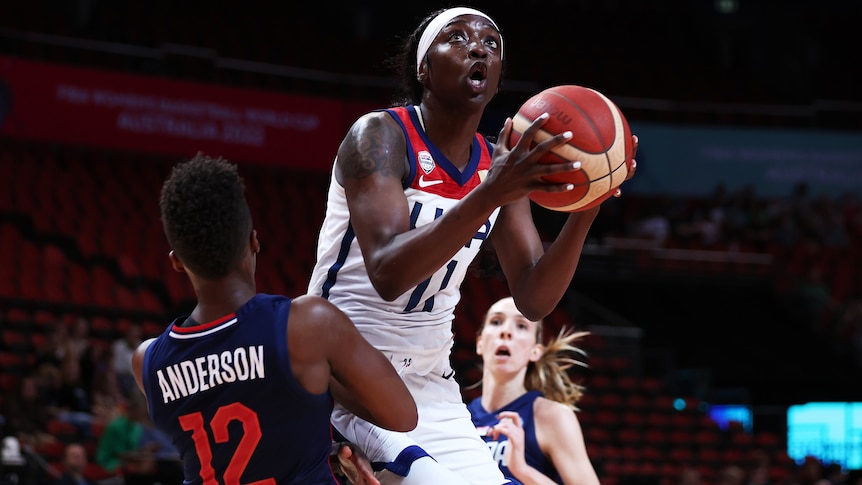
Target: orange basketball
601, 141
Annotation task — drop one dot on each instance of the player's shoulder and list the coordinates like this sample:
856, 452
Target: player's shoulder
141, 350
548, 410
311, 303
316, 310
145, 344
378, 122
363, 143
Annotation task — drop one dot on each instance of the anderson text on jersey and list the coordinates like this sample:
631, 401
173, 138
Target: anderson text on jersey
196, 375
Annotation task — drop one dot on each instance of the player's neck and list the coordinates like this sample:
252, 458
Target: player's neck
451, 131
219, 298
496, 394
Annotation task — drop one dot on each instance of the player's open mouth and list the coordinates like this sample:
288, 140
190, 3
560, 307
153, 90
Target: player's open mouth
503, 351
478, 74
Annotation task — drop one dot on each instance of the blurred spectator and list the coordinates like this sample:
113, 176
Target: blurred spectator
654, 226
80, 348
833, 229
717, 204
71, 402
730, 475
105, 395
74, 464
758, 467
804, 213
156, 444
702, 226
132, 448
689, 475
122, 351
785, 233
78, 343
833, 474
27, 415
762, 224
119, 444
737, 213
53, 348
811, 471
759, 475
814, 297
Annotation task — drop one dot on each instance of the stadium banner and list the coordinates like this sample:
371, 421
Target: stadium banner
56, 103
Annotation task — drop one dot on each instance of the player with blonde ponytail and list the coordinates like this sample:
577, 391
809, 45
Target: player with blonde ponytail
526, 412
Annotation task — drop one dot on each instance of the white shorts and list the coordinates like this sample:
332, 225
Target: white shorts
445, 431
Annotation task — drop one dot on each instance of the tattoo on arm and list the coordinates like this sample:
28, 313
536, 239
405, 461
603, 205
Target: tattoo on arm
369, 150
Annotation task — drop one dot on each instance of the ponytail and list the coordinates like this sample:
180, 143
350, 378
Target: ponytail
550, 375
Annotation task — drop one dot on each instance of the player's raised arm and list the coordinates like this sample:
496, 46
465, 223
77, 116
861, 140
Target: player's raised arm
371, 166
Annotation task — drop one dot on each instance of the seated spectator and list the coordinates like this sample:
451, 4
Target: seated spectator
72, 400
654, 226
53, 348
118, 449
122, 350
78, 342
731, 475
147, 456
80, 346
689, 475
105, 395
27, 415
814, 298
74, 464
168, 466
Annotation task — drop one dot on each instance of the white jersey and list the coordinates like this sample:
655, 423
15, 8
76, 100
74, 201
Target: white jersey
419, 322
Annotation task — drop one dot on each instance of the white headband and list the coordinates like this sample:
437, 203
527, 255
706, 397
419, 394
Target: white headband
436, 25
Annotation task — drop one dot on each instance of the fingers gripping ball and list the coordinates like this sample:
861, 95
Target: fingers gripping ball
601, 141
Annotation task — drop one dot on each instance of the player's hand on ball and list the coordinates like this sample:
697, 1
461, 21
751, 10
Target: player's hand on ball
633, 165
516, 171
601, 142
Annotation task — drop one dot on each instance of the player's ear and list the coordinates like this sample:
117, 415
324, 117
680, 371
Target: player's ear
253, 242
536, 352
479, 345
176, 263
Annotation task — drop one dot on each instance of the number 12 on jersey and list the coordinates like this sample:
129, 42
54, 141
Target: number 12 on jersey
194, 422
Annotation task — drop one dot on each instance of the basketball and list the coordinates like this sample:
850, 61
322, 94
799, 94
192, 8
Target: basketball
601, 141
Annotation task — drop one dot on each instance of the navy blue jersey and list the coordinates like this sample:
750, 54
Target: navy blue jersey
225, 394
483, 420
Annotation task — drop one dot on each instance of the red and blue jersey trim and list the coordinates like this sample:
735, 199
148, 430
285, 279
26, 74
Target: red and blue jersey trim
444, 179
179, 332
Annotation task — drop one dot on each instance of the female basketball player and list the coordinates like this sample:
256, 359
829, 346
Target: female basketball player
415, 191
526, 410
244, 385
